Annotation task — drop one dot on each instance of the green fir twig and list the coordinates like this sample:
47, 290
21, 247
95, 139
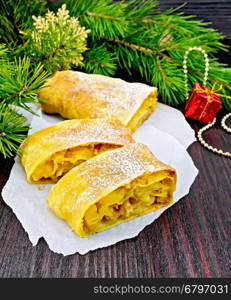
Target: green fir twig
12, 130
19, 82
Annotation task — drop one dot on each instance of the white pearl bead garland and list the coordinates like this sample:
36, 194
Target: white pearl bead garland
209, 147
224, 126
205, 128
186, 68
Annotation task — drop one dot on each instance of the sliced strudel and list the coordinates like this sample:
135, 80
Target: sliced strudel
50, 153
76, 95
112, 188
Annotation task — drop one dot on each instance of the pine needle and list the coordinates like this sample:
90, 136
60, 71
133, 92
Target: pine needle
100, 60
12, 130
19, 82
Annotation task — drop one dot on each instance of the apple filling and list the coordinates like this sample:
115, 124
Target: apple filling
141, 196
61, 162
146, 109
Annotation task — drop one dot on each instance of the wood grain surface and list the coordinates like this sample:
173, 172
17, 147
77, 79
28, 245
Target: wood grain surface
191, 239
218, 12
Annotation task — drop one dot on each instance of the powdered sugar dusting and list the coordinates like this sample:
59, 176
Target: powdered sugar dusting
112, 169
88, 131
73, 133
117, 97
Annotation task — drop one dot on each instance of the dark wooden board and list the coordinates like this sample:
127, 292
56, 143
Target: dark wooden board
191, 239
217, 12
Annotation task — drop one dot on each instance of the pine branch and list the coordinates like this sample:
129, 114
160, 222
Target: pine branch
168, 42
130, 45
151, 42
15, 18
99, 60
3, 53
134, 34
108, 18
103, 18
12, 130
57, 41
19, 82
137, 10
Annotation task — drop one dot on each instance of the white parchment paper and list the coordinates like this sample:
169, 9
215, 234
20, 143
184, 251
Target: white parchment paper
29, 202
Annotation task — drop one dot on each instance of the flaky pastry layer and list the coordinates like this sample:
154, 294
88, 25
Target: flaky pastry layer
50, 153
112, 188
76, 95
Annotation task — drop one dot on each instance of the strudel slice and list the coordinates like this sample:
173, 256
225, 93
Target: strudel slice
50, 153
111, 188
76, 95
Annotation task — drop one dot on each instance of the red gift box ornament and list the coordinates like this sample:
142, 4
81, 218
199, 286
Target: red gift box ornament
203, 104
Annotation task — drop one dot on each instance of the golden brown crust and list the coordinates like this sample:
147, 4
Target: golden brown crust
69, 134
91, 181
79, 95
